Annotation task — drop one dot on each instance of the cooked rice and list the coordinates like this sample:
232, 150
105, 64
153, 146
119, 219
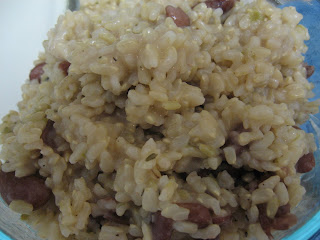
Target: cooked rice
144, 119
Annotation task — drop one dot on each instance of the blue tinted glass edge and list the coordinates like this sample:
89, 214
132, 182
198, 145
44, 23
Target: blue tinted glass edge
3, 236
307, 230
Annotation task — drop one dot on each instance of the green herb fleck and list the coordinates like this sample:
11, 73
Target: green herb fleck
24, 217
301, 28
255, 15
151, 156
6, 130
207, 150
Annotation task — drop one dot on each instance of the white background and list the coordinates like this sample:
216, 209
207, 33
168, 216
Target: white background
23, 27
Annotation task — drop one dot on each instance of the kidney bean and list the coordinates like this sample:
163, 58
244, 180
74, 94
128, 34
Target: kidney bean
284, 222
161, 227
226, 5
221, 220
309, 69
64, 67
48, 135
37, 72
283, 210
199, 214
265, 221
306, 163
180, 18
31, 189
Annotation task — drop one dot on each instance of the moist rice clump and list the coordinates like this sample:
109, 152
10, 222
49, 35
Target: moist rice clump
161, 120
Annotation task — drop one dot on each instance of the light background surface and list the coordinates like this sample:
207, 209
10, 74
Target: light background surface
23, 27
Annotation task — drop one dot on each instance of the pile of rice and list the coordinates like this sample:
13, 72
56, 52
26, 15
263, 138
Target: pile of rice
153, 122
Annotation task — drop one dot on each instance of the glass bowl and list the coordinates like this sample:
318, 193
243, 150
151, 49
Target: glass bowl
308, 211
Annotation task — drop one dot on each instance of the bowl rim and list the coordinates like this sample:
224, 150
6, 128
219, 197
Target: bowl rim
307, 230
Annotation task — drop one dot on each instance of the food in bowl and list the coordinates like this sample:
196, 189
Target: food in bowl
161, 120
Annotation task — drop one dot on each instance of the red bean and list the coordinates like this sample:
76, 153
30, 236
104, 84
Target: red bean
283, 219
226, 5
309, 69
37, 72
221, 220
64, 67
30, 189
199, 214
306, 163
264, 220
283, 210
180, 18
284, 222
161, 227
48, 135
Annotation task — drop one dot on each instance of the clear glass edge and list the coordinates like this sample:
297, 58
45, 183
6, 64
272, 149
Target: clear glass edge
4, 236
307, 230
